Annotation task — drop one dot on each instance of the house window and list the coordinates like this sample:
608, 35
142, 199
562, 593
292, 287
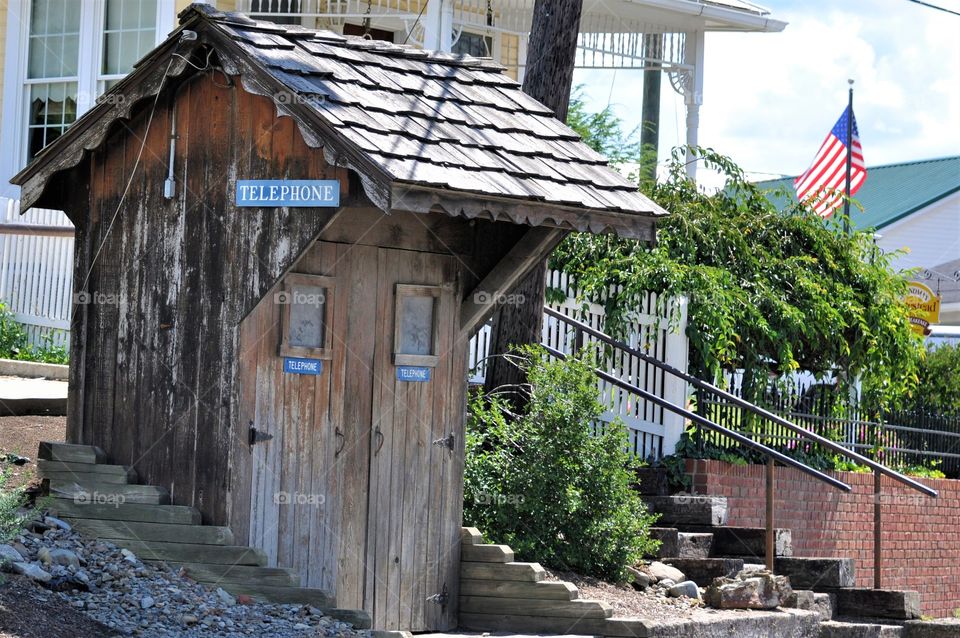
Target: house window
474, 44
306, 302
76, 50
415, 336
52, 78
262, 10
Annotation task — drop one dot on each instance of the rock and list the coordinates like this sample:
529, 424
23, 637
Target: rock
129, 556
32, 570
666, 583
58, 556
759, 590
189, 619
9, 555
638, 579
660, 571
147, 602
687, 589
226, 598
56, 523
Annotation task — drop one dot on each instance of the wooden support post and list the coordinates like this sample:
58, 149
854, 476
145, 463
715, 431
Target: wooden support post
877, 530
771, 527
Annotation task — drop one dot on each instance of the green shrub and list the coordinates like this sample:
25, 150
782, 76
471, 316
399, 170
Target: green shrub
12, 336
46, 352
543, 484
12, 518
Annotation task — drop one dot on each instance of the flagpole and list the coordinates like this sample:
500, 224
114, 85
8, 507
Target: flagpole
846, 201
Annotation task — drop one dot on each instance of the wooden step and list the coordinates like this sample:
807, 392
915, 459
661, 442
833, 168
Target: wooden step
86, 471
106, 493
878, 603
164, 532
519, 589
858, 629
530, 572
70, 453
689, 509
702, 571
694, 545
535, 607
194, 553
132, 512
486, 553
240, 574
750, 543
818, 574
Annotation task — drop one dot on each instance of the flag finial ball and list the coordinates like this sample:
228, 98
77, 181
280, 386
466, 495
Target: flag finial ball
850, 82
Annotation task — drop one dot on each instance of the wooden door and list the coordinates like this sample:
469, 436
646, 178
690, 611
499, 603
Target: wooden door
416, 482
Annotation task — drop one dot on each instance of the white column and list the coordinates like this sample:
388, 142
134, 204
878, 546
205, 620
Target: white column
693, 93
438, 25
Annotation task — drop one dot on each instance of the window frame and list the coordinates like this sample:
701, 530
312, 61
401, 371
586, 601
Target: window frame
416, 290
306, 279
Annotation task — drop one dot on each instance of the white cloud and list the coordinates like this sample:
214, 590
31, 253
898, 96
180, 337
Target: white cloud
769, 99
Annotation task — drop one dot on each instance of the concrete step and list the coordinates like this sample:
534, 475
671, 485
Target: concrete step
669, 542
818, 574
164, 532
750, 543
878, 603
90, 472
689, 509
106, 493
694, 545
239, 574
70, 453
132, 512
857, 629
194, 553
702, 571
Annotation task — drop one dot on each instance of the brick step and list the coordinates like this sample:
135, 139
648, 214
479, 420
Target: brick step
858, 629
818, 574
131, 512
163, 532
218, 575
689, 509
89, 472
194, 553
70, 453
106, 493
702, 571
878, 603
694, 545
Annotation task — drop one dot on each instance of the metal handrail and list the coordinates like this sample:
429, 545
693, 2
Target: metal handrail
700, 383
772, 455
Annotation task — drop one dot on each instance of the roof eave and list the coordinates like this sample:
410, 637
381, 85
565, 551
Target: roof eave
729, 19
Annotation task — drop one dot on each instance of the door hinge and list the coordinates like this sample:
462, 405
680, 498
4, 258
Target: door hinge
257, 436
440, 599
448, 442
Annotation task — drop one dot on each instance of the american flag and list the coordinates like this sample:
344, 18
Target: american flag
822, 185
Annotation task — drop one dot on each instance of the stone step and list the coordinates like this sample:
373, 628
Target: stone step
878, 603
694, 545
702, 571
689, 509
669, 542
652, 481
750, 543
853, 629
824, 604
818, 574
106, 493
194, 553
239, 574
70, 453
807, 600
132, 512
164, 532
933, 628
94, 472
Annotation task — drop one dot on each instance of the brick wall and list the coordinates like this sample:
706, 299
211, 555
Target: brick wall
921, 535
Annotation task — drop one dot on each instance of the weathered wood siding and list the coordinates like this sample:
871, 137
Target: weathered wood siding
155, 353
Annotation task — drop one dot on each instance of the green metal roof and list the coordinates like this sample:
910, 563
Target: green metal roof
891, 192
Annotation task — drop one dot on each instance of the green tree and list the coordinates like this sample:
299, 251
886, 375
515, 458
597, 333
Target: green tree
769, 291
939, 380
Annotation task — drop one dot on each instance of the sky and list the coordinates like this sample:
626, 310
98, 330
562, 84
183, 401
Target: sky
770, 98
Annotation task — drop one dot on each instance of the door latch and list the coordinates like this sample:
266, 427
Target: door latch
448, 442
441, 598
257, 436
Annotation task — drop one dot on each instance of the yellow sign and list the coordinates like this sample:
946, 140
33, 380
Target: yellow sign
924, 307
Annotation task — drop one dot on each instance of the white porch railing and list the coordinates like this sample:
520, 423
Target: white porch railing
36, 273
653, 431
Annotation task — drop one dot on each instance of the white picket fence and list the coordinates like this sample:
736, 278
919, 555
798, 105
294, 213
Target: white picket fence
653, 431
36, 274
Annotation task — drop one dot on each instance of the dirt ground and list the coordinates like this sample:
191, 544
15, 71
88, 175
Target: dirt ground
21, 435
626, 601
27, 611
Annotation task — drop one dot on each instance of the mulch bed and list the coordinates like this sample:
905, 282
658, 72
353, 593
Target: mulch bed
28, 611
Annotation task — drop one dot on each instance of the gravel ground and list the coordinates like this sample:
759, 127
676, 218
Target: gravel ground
627, 602
27, 611
21, 435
